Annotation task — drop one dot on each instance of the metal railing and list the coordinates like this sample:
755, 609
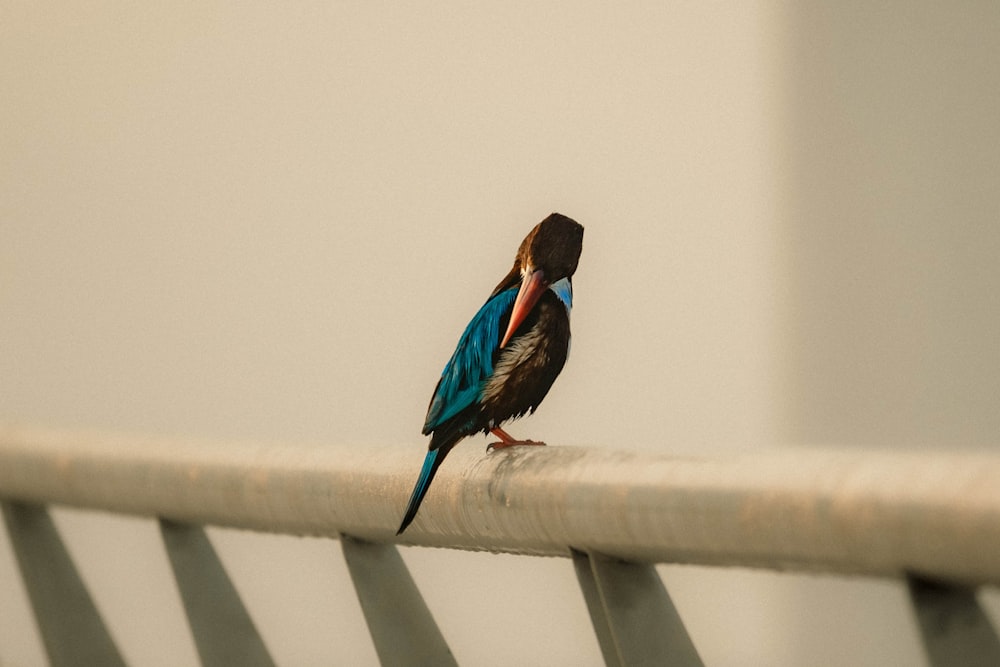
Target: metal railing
932, 518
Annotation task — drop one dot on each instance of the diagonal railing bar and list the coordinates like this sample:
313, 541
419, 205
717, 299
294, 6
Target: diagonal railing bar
850, 511
633, 616
953, 627
598, 618
223, 631
400, 624
72, 631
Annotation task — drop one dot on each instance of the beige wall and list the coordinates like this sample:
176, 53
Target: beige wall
274, 222
893, 224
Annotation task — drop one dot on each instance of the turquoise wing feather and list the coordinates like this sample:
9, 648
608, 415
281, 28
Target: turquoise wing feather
472, 363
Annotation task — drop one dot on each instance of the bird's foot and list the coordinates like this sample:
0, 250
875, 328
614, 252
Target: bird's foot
514, 443
506, 440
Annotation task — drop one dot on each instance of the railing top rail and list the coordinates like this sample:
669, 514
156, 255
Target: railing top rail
851, 511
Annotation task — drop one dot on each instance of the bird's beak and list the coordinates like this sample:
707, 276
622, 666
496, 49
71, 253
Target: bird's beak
532, 286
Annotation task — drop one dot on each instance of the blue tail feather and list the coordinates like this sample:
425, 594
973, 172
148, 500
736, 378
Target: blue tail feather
431, 463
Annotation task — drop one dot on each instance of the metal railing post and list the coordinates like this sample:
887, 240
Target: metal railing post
953, 627
71, 627
401, 625
635, 621
223, 631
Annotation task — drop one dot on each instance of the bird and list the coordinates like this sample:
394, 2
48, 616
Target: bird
509, 354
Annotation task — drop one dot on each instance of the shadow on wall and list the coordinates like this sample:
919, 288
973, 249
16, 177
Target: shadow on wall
893, 199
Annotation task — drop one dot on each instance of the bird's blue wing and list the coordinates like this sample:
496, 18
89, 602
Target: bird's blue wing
471, 364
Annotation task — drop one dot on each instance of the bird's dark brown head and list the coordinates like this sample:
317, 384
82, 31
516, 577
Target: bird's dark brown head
553, 247
550, 252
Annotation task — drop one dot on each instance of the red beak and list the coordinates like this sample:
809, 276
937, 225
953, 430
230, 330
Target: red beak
532, 287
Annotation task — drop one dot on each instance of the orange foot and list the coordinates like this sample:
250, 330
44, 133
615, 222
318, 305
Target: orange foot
506, 440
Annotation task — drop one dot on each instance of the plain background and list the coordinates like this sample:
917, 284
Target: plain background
272, 222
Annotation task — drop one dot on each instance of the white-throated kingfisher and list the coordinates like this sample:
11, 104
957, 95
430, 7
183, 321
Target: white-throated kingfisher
510, 353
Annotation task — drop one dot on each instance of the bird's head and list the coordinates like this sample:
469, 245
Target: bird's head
549, 253
552, 247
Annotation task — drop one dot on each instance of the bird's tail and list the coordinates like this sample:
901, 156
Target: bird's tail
432, 462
